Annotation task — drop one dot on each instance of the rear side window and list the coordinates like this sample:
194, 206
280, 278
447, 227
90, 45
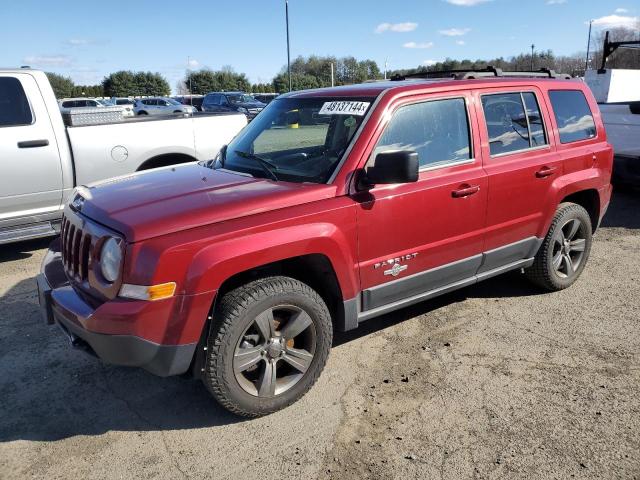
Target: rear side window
514, 122
14, 106
574, 117
437, 130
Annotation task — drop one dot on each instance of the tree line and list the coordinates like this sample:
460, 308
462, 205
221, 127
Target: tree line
316, 72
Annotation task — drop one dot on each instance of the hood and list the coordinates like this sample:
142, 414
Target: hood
163, 201
250, 104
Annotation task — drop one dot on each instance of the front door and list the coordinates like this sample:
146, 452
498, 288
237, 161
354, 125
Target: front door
419, 237
30, 170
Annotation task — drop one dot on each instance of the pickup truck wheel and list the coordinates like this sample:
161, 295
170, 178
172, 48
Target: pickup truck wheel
268, 344
564, 251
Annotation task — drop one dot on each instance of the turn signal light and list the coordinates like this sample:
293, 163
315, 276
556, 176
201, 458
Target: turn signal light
153, 292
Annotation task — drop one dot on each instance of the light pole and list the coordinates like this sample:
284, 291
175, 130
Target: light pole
189, 75
286, 8
532, 49
586, 62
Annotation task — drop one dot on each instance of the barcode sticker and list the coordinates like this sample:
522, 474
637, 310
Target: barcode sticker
344, 108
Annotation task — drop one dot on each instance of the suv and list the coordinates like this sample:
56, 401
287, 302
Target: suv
232, 102
161, 106
239, 269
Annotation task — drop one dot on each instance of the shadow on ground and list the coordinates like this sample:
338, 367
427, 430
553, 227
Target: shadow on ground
52, 392
22, 250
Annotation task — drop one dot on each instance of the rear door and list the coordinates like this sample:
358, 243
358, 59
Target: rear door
30, 169
418, 237
521, 165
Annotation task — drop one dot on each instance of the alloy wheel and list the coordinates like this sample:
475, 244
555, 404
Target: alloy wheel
275, 351
568, 248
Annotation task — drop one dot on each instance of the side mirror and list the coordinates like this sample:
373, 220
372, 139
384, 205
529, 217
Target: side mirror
399, 166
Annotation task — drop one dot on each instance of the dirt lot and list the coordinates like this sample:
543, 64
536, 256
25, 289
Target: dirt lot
497, 380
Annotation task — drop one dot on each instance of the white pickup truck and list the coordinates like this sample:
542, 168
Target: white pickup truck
618, 95
42, 160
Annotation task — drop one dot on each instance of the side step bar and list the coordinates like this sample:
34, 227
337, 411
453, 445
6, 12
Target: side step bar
28, 232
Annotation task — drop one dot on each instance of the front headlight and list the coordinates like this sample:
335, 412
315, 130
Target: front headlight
243, 110
111, 260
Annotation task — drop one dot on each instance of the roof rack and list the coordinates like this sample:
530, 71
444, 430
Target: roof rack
610, 47
488, 72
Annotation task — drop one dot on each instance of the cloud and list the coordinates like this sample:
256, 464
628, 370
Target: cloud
610, 21
83, 42
418, 45
621, 10
429, 63
396, 27
454, 32
467, 3
460, 42
48, 60
192, 63
556, 2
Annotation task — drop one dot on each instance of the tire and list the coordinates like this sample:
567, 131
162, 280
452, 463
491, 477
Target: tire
240, 357
564, 251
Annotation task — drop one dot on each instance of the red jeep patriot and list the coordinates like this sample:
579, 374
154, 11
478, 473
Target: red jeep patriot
332, 207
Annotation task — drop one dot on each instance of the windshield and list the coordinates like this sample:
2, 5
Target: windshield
240, 99
299, 139
172, 101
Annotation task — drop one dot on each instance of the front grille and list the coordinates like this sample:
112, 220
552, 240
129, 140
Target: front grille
76, 250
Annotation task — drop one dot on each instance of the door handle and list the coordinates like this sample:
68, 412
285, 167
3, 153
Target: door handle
465, 191
546, 172
33, 143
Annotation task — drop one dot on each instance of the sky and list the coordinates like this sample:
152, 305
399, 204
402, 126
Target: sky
87, 40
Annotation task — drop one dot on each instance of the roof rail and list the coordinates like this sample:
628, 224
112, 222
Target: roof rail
487, 72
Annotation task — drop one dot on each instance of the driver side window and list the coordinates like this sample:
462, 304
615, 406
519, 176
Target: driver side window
438, 130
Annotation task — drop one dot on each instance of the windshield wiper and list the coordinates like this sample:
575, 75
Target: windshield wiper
269, 168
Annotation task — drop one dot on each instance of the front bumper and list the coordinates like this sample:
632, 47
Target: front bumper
60, 304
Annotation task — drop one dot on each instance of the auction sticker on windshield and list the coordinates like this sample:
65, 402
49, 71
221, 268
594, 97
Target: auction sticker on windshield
344, 108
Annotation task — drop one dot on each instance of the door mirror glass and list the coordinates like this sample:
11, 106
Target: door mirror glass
400, 166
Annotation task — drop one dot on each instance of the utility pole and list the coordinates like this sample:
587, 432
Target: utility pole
286, 7
532, 49
385, 68
189, 75
332, 80
586, 62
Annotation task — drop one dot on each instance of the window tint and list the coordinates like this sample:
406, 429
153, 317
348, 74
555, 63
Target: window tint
536, 125
575, 120
14, 107
506, 123
437, 130
67, 104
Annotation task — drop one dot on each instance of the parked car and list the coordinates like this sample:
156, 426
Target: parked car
41, 160
161, 106
67, 103
265, 98
126, 103
232, 102
194, 100
239, 270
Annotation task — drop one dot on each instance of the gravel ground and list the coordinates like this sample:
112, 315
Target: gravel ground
496, 380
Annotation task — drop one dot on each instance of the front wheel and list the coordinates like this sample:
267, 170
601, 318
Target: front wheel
268, 345
564, 251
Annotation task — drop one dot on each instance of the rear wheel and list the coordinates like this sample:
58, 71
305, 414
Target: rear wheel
564, 251
268, 345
